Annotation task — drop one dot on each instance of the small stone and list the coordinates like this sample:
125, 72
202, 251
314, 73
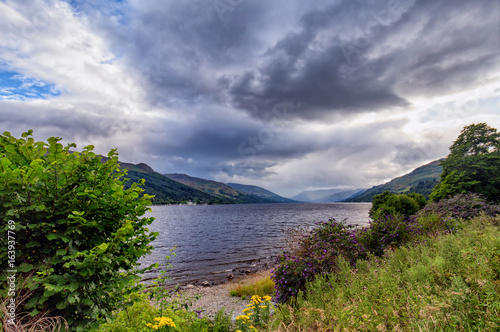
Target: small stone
205, 284
190, 286
230, 276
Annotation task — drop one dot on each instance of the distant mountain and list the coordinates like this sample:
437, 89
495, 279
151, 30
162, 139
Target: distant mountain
339, 197
141, 168
422, 180
167, 191
260, 192
218, 189
313, 195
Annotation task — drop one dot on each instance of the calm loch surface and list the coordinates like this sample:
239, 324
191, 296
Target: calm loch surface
216, 240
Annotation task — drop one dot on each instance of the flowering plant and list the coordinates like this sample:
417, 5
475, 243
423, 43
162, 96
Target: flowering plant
163, 324
317, 254
256, 314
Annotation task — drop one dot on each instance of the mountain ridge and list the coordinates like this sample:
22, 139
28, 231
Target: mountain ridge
217, 189
174, 188
421, 180
261, 192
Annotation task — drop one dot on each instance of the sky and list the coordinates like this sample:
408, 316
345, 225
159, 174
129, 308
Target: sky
290, 95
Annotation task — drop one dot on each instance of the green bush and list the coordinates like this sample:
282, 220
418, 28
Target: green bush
387, 231
388, 203
76, 227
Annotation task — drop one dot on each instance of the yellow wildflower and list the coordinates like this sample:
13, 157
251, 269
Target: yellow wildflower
162, 321
267, 298
256, 298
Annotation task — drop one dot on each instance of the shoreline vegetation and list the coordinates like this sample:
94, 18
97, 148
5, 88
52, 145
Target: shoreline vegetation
419, 266
446, 278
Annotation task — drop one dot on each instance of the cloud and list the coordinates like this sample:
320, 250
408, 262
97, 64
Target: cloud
285, 94
351, 58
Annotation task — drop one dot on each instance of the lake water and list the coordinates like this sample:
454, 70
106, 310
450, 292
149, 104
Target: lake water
214, 241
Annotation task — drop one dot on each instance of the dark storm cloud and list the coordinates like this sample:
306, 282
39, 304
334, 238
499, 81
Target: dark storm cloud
457, 45
178, 48
48, 121
359, 65
341, 57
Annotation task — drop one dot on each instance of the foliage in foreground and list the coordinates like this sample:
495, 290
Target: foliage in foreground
317, 253
143, 316
76, 231
447, 283
160, 310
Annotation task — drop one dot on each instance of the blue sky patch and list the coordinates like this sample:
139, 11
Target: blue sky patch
14, 86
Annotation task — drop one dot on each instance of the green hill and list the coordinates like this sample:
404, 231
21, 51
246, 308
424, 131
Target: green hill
422, 180
165, 190
260, 192
218, 189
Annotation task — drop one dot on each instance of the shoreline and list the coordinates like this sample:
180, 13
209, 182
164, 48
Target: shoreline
208, 300
210, 280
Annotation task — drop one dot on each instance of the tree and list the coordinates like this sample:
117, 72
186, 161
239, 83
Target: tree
473, 165
77, 232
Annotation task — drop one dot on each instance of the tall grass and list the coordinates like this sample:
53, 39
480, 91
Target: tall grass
258, 284
445, 283
26, 321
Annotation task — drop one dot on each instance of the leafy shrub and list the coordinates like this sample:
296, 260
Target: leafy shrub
316, 255
132, 318
75, 226
389, 203
419, 198
387, 231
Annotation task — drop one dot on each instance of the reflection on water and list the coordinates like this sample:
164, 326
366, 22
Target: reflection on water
215, 240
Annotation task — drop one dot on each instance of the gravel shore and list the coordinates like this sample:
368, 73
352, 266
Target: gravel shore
208, 300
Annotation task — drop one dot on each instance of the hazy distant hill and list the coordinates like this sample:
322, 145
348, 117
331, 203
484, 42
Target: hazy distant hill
339, 197
313, 195
422, 180
218, 189
260, 192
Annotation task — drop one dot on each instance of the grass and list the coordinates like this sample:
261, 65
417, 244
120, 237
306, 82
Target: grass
444, 283
257, 284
